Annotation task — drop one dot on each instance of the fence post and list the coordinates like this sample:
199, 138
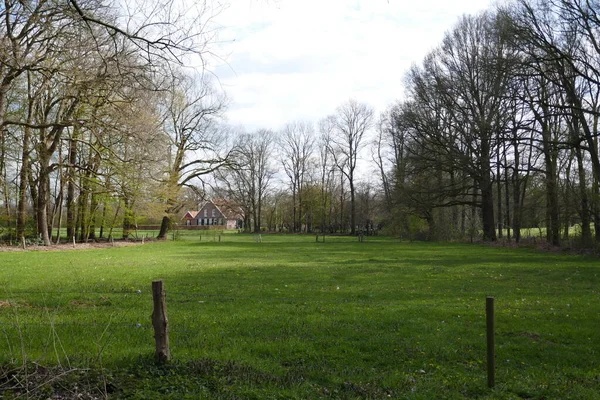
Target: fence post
23, 242
491, 353
73, 241
160, 322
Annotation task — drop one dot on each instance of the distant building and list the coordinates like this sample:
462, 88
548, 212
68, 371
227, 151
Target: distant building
218, 213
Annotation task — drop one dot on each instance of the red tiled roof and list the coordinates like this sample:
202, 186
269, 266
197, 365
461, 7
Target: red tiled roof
229, 209
190, 215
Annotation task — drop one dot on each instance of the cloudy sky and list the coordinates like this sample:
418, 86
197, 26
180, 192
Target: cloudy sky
299, 59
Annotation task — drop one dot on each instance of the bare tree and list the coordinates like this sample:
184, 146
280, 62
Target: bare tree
326, 171
296, 146
248, 177
351, 121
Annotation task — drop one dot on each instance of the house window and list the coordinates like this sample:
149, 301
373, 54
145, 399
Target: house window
214, 212
206, 213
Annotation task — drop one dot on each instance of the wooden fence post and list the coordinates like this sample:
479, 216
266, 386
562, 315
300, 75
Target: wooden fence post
491, 353
23, 242
160, 322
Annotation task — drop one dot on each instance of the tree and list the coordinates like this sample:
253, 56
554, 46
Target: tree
558, 41
350, 122
62, 62
247, 178
455, 117
196, 141
296, 141
389, 152
326, 171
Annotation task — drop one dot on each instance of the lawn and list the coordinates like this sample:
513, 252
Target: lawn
291, 318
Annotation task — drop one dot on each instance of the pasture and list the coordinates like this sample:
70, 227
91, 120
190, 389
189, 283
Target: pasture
292, 318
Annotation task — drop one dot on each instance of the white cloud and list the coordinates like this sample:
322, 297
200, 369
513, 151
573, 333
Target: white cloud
300, 59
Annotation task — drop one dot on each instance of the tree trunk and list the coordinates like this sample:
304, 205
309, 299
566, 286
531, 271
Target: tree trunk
128, 222
487, 195
342, 230
567, 194
352, 208
165, 225
299, 206
499, 195
294, 210
59, 207
431, 233
83, 207
43, 199
103, 219
596, 208
586, 232
92, 215
71, 203
516, 206
23, 179
506, 193
552, 207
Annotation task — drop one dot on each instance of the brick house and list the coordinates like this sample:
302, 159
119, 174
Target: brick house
215, 213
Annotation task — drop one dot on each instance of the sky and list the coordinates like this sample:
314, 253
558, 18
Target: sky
287, 60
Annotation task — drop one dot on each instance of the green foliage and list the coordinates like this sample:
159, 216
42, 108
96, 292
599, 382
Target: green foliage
291, 318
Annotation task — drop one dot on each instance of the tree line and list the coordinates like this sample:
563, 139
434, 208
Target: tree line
499, 127
98, 113
102, 126
497, 131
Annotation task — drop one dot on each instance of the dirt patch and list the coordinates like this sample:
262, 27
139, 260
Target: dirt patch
69, 246
6, 304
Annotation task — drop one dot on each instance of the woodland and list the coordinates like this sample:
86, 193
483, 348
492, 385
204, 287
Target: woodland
109, 119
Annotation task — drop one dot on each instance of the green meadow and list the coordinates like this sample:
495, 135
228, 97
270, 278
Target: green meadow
292, 318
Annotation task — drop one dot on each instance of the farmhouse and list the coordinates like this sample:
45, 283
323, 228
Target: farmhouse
216, 213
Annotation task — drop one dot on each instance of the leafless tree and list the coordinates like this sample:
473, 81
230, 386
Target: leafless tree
326, 171
247, 178
296, 141
351, 121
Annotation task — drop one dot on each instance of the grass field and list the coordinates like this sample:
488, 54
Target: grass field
291, 318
